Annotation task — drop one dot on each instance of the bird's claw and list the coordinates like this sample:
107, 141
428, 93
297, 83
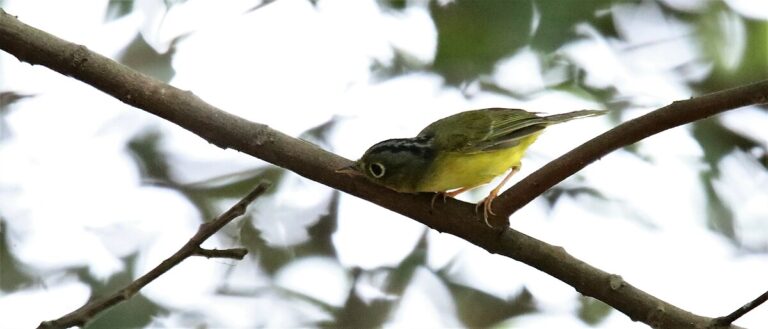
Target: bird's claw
445, 198
487, 203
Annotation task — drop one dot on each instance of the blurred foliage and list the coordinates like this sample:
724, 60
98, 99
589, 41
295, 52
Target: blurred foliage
716, 43
265, 3
358, 313
478, 309
136, 312
139, 56
719, 216
155, 169
8, 98
272, 258
556, 24
152, 164
12, 275
592, 311
472, 37
400, 64
118, 8
393, 4
717, 141
572, 188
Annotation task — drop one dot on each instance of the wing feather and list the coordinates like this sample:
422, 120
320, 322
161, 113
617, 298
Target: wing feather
483, 130
492, 129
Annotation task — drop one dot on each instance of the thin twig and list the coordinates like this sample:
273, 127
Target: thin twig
82, 315
234, 253
728, 319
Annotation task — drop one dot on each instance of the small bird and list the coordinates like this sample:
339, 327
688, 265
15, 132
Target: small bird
458, 153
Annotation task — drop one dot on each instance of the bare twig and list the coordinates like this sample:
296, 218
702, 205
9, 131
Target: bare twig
728, 319
85, 313
454, 217
234, 253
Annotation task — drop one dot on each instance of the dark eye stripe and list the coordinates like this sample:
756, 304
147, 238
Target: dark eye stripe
421, 146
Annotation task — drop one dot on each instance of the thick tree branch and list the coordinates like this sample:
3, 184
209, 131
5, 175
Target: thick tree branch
82, 315
454, 217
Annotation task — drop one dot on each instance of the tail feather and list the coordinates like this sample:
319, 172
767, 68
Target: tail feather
559, 118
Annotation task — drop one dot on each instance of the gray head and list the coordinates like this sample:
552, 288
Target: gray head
398, 164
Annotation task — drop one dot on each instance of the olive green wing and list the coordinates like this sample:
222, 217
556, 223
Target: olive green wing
483, 130
493, 128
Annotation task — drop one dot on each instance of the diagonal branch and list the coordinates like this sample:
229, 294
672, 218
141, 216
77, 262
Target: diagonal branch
82, 315
627, 133
728, 319
454, 217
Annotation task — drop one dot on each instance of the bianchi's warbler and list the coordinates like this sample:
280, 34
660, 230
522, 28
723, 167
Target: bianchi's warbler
459, 152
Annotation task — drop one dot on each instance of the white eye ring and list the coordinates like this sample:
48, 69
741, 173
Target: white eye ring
377, 169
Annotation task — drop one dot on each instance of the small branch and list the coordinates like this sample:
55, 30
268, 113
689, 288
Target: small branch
627, 133
85, 313
234, 253
728, 319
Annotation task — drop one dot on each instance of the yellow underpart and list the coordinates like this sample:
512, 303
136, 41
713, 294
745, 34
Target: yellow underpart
452, 170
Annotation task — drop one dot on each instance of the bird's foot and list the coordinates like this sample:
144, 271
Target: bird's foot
446, 195
487, 203
434, 197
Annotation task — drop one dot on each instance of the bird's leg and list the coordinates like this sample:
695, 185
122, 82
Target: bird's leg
494, 193
451, 194
454, 193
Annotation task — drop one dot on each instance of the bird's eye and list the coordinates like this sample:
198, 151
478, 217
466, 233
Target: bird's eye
376, 169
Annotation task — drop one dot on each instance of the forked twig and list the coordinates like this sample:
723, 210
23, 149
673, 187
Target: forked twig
82, 315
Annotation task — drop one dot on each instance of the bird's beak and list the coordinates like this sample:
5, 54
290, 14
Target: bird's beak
349, 170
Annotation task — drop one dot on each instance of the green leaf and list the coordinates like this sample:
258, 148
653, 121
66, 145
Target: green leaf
474, 35
139, 56
392, 4
593, 311
12, 277
118, 8
478, 309
558, 20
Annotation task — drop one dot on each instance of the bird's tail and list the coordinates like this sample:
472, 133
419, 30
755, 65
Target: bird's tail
559, 118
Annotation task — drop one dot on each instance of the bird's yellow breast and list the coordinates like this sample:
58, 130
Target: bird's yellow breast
452, 170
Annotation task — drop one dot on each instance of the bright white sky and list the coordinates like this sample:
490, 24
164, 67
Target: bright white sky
72, 196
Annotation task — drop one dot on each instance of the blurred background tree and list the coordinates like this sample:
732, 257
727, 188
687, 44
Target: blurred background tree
93, 193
